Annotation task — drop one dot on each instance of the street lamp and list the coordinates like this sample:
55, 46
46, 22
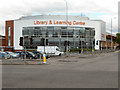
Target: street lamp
67, 21
111, 31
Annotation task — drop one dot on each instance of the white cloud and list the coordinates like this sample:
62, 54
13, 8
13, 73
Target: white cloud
114, 22
13, 9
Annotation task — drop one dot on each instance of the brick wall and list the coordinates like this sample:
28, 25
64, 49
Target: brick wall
9, 24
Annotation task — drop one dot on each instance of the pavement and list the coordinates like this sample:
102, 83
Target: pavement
95, 72
70, 58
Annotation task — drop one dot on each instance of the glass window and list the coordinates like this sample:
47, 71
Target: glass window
63, 34
9, 31
36, 32
92, 33
76, 33
39, 33
50, 28
37, 27
51, 31
9, 42
47, 34
55, 34
25, 32
9, 34
63, 27
70, 33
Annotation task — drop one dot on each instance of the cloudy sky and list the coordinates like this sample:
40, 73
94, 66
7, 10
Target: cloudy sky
94, 9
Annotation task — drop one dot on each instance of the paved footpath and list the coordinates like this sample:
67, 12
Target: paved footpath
52, 60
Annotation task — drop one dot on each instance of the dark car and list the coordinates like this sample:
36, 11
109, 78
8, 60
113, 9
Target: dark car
39, 55
29, 55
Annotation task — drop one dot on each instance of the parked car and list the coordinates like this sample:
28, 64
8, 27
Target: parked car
38, 55
30, 55
19, 53
12, 55
2, 55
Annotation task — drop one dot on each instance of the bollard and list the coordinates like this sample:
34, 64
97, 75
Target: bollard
93, 50
44, 58
82, 50
5, 56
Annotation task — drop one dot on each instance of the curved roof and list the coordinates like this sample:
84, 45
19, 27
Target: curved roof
61, 17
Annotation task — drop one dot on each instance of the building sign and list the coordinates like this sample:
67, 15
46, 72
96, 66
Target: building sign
54, 22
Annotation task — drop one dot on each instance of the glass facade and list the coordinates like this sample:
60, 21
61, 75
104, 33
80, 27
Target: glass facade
79, 37
9, 34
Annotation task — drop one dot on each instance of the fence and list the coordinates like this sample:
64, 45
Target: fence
93, 52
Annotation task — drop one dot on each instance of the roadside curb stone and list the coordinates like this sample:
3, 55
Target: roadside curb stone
22, 62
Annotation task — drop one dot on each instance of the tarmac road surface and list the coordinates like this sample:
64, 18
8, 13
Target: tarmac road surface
99, 72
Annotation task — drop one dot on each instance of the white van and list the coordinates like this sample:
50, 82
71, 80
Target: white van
50, 50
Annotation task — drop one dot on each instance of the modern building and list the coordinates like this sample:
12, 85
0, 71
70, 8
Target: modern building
108, 44
2, 42
108, 41
81, 32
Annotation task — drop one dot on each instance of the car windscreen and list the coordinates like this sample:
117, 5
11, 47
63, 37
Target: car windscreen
57, 49
11, 53
31, 53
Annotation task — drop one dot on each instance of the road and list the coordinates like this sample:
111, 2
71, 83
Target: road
99, 72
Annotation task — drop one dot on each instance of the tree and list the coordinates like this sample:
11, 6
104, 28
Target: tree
118, 39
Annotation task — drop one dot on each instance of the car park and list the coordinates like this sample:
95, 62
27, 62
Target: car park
28, 54
31, 55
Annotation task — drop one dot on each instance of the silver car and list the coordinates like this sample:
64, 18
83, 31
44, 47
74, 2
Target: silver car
12, 55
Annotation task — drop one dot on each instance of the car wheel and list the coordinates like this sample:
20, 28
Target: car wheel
30, 58
60, 54
10, 57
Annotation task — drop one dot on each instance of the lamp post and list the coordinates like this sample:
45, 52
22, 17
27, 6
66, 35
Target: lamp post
67, 23
111, 31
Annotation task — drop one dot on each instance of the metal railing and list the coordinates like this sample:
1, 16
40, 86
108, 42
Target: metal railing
99, 52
